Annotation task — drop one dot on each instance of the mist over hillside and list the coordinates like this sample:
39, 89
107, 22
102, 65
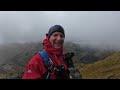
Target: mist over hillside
9, 51
83, 53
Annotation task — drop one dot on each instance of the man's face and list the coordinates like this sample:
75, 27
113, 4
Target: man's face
57, 40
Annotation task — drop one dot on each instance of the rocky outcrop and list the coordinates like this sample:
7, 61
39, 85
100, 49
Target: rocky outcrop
74, 73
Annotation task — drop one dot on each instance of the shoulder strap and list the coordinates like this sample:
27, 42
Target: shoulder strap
47, 62
45, 57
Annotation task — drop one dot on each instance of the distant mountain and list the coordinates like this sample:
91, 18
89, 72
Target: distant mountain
18, 53
29, 50
21, 53
109, 68
87, 54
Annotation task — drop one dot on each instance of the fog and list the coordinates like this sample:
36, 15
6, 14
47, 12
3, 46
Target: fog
85, 27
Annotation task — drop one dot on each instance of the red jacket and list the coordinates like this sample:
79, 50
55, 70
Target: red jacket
36, 67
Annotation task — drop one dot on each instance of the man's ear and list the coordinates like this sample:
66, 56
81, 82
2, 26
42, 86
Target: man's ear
46, 34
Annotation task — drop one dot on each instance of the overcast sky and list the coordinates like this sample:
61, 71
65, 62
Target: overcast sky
96, 27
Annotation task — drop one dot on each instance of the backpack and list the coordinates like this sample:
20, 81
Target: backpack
49, 65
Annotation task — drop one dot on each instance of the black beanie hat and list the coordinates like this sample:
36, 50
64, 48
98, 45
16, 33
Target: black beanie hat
56, 28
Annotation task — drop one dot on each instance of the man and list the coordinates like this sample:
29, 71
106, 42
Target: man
53, 47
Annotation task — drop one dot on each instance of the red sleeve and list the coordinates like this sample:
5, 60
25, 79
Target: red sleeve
34, 69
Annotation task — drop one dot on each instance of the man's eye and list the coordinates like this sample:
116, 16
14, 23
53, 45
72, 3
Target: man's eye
62, 36
55, 35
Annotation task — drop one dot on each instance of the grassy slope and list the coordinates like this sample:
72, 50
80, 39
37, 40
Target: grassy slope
104, 69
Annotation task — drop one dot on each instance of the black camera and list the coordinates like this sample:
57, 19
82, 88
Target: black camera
61, 73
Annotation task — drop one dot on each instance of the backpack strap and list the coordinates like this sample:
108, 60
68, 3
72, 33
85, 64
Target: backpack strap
45, 57
47, 60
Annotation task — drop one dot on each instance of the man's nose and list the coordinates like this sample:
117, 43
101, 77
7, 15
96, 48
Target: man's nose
59, 38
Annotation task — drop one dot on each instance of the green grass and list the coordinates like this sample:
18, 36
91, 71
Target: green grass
108, 68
